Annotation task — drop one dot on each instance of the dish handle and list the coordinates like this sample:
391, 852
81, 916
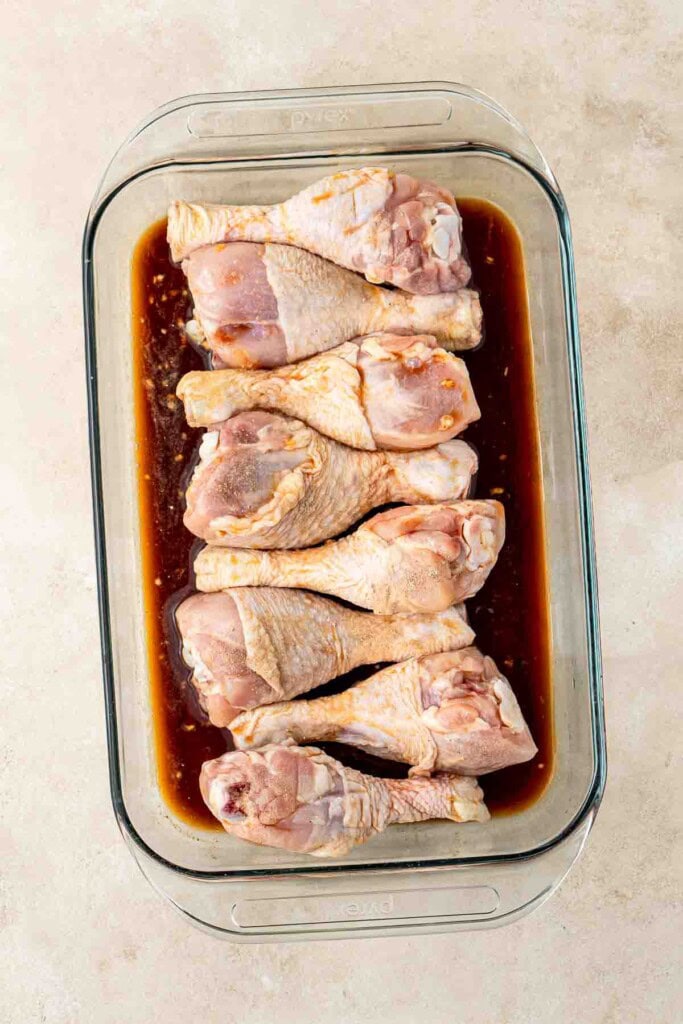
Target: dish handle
344, 122
460, 897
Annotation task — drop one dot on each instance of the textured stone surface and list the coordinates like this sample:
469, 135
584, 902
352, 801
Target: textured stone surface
82, 936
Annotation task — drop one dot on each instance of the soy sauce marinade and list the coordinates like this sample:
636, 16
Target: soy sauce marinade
509, 614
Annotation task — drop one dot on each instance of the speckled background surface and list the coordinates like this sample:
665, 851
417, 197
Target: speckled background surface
82, 935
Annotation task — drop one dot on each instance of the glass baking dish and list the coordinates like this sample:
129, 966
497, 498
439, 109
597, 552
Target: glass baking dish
263, 147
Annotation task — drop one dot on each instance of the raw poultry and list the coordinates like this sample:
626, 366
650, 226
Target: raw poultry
267, 305
385, 391
414, 558
390, 227
441, 712
253, 645
331, 396
267, 481
302, 800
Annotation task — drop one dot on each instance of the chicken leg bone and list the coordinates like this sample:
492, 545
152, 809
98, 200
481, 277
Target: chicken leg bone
254, 645
417, 558
266, 481
389, 391
267, 305
441, 712
301, 800
390, 227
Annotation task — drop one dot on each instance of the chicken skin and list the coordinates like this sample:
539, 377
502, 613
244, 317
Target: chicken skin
389, 227
268, 305
254, 645
417, 558
388, 391
441, 712
301, 800
267, 481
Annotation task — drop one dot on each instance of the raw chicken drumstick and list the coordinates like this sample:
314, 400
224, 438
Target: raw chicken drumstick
267, 305
253, 645
390, 227
441, 712
390, 391
265, 481
417, 558
302, 800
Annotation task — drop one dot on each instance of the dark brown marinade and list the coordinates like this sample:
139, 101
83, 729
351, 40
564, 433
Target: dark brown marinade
165, 451
509, 615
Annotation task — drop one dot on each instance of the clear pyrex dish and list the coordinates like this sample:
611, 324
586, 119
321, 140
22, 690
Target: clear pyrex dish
263, 147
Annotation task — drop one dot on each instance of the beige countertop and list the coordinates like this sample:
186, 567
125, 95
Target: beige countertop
83, 937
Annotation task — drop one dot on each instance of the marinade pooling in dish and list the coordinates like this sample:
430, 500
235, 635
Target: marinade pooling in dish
509, 614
